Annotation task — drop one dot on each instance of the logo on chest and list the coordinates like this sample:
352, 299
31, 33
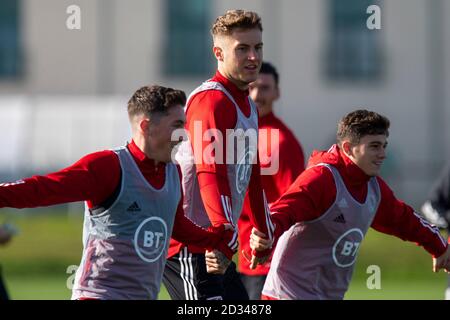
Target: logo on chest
134, 207
346, 247
243, 171
150, 239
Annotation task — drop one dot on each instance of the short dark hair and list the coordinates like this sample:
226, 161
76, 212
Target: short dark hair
153, 99
235, 19
268, 68
360, 123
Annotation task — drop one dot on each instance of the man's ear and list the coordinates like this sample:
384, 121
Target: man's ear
144, 124
347, 148
218, 53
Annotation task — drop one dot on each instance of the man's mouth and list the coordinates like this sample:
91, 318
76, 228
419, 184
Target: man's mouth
259, 103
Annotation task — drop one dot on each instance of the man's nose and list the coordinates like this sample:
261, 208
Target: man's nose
253, 54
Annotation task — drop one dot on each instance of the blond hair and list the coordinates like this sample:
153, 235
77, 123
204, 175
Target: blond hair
235, 19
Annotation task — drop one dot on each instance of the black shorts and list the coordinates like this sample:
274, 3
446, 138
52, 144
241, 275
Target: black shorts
254, 285
185, 278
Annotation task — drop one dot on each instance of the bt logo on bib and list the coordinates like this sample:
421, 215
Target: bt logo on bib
345, 248
150, 239
244, 170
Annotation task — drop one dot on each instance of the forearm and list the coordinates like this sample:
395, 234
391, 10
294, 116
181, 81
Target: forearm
260, 214
396, 218
38, 191
188, 232
216, 197
93, 178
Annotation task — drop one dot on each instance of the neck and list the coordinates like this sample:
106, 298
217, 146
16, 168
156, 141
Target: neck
355, 170
263, 113
348, 158
142, 144
241, 85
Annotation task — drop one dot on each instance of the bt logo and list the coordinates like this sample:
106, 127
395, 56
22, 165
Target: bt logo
243, 171
150, 239
346, 247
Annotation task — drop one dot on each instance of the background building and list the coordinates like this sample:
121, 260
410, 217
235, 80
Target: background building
63, 92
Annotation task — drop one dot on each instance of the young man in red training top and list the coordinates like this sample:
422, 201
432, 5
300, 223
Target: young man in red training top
215, 183
133, 203
282, 161
325, 214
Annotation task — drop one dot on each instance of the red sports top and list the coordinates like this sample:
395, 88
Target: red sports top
216, 111
314, 192
291, 164
94, 179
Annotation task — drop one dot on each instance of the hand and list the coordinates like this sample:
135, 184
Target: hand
442, 262
254, 260
216, 262
259, 241
434, 216
227, 239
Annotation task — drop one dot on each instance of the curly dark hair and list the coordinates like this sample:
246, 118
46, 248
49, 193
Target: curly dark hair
360, 123
153, 99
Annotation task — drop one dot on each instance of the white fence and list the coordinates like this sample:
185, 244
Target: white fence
45, 133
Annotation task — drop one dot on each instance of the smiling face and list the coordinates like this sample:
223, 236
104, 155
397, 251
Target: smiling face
158, 133
239, 55
368, 154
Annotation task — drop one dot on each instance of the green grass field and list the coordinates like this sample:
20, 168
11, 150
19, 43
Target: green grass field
48, 287
35, 264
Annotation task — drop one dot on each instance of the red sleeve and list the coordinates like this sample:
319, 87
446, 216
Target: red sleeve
93, 178
213, 112
186, 231
396, 218
259, 210
213, 188
291, 163
275, 179
305, 199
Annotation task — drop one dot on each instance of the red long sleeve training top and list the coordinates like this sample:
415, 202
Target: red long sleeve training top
314, 192
94, 179
291, 163
216, 111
